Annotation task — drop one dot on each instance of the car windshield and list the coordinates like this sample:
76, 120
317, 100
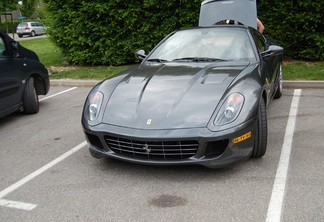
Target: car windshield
205, 45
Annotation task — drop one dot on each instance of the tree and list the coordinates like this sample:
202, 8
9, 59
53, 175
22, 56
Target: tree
7, 6
28, 7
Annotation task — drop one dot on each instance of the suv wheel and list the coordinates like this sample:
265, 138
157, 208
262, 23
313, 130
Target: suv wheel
30, 97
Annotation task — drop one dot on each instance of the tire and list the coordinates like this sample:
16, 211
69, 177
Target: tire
20, 36
261, 133
279, 84
32, 34
30, 97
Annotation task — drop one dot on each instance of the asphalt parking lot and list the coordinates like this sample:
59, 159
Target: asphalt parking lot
47, 173
26, 37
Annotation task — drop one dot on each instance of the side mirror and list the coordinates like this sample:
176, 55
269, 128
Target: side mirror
15, 45
15, 49
272, 50
140, 54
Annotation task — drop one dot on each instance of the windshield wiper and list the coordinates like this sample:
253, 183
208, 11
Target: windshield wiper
157, 60
199, 59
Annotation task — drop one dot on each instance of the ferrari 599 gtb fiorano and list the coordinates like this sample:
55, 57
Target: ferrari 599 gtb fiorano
199, 97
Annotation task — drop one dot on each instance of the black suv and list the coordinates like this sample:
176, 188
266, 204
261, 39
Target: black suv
22, 78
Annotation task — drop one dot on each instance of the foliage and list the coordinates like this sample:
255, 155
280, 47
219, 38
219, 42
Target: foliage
7, 6
40, 12
102, 32
50, 55
109, 32
28, 7
9, 26
296, 25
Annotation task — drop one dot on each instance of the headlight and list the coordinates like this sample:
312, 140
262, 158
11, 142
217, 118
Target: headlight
93, 105
230, 109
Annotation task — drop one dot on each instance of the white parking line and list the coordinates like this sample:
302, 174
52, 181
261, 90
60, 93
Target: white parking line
58, 93
278, 191
17, 205
26, 206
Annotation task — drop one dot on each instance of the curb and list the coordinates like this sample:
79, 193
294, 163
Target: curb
304, 84
92, 83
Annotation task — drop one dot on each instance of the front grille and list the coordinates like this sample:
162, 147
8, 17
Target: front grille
157, 150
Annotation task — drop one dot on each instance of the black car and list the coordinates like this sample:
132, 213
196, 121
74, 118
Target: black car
199, 97
22, 78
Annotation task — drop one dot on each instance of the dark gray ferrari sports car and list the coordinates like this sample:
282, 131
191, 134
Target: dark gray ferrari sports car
199, 97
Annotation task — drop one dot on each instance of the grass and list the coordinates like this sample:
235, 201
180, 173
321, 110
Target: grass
48, 53
297, 70
52, 58
93, 72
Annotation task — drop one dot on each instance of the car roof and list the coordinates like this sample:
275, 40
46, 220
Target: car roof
242, 11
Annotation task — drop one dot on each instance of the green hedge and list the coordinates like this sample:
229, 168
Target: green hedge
103, 32
109, 32
296, 25
8, 26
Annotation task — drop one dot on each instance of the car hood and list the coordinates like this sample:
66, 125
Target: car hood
170, 96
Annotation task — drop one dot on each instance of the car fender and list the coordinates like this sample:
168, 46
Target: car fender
32, 68
253, 87
106, 87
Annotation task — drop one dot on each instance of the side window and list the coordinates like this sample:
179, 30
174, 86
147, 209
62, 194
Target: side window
259, 40
2, 47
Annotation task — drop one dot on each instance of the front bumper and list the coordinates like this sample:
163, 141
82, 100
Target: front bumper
214, 149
